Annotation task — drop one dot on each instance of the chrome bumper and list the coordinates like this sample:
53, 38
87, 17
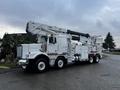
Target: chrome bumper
22, 62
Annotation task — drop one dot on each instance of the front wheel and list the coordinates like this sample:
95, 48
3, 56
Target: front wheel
41, 65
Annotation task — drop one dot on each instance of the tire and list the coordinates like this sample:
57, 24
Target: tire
97, 60
91, 60
41, 65
59, 63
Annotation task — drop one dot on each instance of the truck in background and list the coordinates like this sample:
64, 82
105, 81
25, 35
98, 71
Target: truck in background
57, 47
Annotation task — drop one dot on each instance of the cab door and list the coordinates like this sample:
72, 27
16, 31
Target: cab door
52, 45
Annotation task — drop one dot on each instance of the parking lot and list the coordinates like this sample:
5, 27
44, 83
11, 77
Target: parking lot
102, 76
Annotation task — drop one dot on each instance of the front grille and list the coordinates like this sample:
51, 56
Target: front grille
19, 52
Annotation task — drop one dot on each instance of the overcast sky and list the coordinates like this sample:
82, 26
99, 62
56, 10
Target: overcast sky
89, 16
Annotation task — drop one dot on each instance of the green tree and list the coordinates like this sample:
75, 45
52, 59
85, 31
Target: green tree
109, 42
10, 42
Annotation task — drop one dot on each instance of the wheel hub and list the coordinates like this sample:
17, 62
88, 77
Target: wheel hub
60, 63
97, 59
91, 60
41, 66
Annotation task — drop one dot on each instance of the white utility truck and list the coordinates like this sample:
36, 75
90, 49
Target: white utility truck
57, 47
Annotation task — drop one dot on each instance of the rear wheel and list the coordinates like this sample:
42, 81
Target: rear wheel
97, 59
91, 60
59, 63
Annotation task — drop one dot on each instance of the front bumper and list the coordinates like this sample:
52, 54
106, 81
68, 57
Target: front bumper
22, 62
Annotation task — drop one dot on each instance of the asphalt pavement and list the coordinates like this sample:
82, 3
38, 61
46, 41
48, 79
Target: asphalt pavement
102, 76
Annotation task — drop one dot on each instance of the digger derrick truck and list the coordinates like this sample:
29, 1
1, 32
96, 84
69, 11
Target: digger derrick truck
57, 47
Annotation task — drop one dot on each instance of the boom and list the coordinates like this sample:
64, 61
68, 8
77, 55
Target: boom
43, 29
